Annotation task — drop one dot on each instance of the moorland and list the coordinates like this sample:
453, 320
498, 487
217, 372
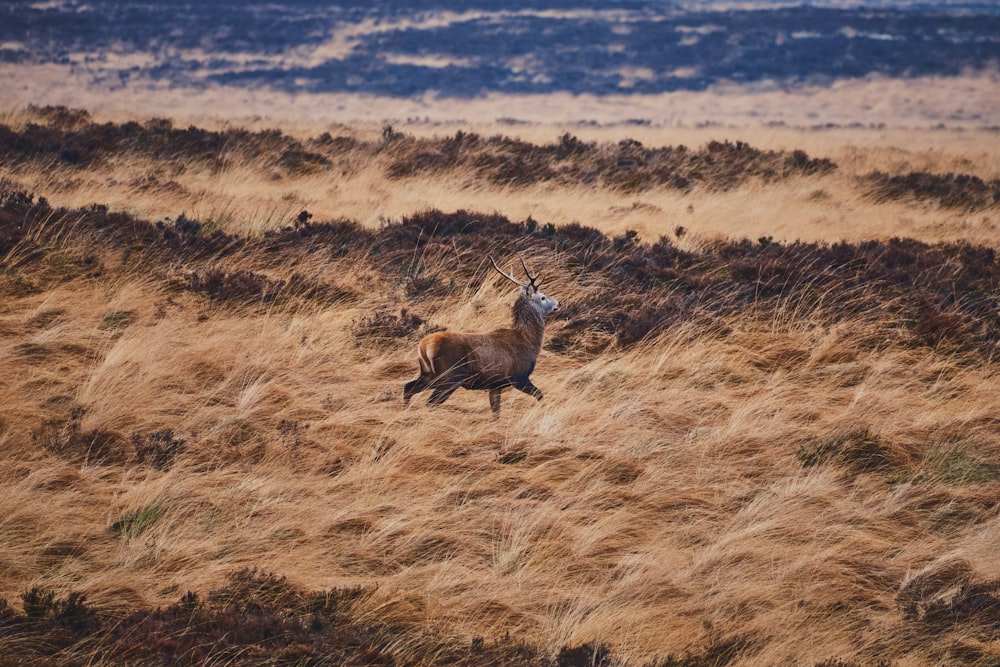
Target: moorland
769, 431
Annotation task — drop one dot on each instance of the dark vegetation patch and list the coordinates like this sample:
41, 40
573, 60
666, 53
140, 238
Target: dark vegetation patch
961, 191
385, 328
95, 228
778, 42
721, 651
255, 619
512, 456
147, 246
68, 439
262, 619
69, 138
974, 605
335, 238
242, 288
912, 293
117, 320
947, 597
905, 292
626, 166
158, 449
858, 450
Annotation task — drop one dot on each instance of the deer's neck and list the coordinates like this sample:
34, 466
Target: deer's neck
528, 324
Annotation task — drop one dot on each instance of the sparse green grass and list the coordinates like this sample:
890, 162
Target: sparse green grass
957, 466
117, 320
135, 523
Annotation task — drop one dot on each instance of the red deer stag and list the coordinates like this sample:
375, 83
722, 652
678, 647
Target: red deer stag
486, 361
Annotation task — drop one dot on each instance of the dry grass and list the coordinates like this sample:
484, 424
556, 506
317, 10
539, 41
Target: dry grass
245, 189
964, 102
761, 485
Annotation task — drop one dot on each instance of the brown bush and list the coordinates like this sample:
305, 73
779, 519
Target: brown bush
910, 292
859, 450
962, 191
69, 137
158, 449
259, 618
626, 166
385, 328
67, 439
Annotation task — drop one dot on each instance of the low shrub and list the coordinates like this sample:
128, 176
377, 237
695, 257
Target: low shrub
259, 618
386, 328
71, 138
962, 191
158, 449
859, 450
68, 439
900, 291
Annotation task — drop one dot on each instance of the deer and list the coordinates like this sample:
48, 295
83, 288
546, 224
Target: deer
490, 361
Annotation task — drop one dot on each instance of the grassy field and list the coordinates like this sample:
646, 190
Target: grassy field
770, 430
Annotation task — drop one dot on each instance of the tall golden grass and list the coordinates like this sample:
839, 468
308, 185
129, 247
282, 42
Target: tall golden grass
760, 492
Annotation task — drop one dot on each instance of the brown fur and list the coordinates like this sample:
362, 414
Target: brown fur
482, 361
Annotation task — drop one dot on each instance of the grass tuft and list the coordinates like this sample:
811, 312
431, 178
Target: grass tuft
859, 450
135, 523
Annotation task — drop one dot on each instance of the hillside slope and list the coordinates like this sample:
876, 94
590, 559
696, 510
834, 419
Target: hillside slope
749, 452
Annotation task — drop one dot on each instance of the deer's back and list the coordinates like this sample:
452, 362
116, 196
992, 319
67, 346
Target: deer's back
489, 356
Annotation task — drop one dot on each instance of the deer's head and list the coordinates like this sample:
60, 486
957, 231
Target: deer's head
529, 291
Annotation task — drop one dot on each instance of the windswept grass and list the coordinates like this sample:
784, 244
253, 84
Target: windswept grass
750, 451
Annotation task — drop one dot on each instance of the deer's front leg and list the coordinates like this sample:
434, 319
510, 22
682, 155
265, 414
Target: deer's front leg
528, 388
495, 402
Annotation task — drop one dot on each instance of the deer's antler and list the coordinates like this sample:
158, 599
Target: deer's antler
510, 276
532, 278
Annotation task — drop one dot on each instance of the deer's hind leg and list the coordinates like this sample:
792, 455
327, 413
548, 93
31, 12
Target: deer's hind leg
414, 387
442, 390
